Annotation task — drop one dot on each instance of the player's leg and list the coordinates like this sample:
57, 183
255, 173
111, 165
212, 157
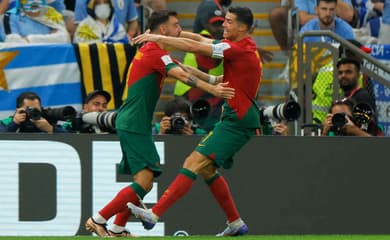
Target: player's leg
140, 159
221, 192
176, 190
143, 182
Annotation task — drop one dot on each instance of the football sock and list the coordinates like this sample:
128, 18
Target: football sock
118, 204
177, 189
220, 189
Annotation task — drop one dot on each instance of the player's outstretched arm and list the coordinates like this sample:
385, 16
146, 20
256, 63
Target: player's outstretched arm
202, 75
184, 44
220, 90
196, 37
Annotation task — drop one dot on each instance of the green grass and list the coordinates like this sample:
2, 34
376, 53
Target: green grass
248, 237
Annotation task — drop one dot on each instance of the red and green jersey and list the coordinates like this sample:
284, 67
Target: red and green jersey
243, 70
144, 79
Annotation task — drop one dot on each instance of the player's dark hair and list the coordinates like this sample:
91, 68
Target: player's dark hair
160, 17
244, 15
327, 1
26, 95
349, 61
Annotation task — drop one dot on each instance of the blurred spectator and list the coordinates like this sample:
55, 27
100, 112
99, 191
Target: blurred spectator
206, 10
28, 117
342, 120
4, 6
384, 32
101, 25
33, 22
278, 17
213, 29
69, 22
327, 20
155, 5
348, 75
58, 5
177, 119
323, 83
95, 101
124, 10
308, 10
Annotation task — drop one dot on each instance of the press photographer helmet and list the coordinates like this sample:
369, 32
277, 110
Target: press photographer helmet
288, 111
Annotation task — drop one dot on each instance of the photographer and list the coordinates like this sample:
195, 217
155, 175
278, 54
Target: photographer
177, 120
96, 101
342, 120
28, 117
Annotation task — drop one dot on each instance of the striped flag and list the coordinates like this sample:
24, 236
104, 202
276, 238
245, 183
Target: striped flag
104, 66
51, 71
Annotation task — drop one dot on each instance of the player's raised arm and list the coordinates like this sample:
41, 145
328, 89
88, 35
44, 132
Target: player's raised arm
219, 90
183, 44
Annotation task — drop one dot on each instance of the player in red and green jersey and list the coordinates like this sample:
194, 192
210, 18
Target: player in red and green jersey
239, 122
147, 71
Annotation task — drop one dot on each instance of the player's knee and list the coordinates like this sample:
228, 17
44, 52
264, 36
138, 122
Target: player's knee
196, 162
208, 172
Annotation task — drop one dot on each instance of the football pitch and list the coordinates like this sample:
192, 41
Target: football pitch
247, 237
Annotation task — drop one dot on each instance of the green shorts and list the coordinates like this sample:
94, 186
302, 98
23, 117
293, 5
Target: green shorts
138, 152
223, 142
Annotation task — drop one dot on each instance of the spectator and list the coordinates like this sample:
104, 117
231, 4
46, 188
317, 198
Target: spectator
213, 29
206, 10
177, 119
348, 76
323, 84
124, 10
155, 5
101, 25
33, 22
327, 20
384, 32
58, 5
308, 10
340, 121
28, 117
95, 101
278, 17
3, 6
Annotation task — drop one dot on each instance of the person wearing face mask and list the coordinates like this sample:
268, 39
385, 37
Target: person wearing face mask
101, 25
33, 21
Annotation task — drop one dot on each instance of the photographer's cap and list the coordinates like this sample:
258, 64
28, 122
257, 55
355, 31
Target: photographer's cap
95, 93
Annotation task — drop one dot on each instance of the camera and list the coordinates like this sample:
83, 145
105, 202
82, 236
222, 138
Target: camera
339, 120
178, 122
104, 120
33, 113
288, 111
59, 114
362, 114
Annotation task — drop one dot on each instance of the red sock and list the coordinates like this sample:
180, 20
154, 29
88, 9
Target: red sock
178, 188
118, 204
221, 192
121, 218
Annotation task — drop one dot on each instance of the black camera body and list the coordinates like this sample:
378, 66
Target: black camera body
178, 122
33, 113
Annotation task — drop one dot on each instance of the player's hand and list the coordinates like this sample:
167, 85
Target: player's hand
221, 90
218, 79
146, 37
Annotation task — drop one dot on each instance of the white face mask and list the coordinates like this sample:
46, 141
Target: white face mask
33, 6
103, 11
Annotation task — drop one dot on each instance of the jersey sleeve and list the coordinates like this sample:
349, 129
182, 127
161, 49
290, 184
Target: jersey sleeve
164, 63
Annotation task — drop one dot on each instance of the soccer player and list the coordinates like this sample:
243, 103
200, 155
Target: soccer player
239, 122
149, 67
